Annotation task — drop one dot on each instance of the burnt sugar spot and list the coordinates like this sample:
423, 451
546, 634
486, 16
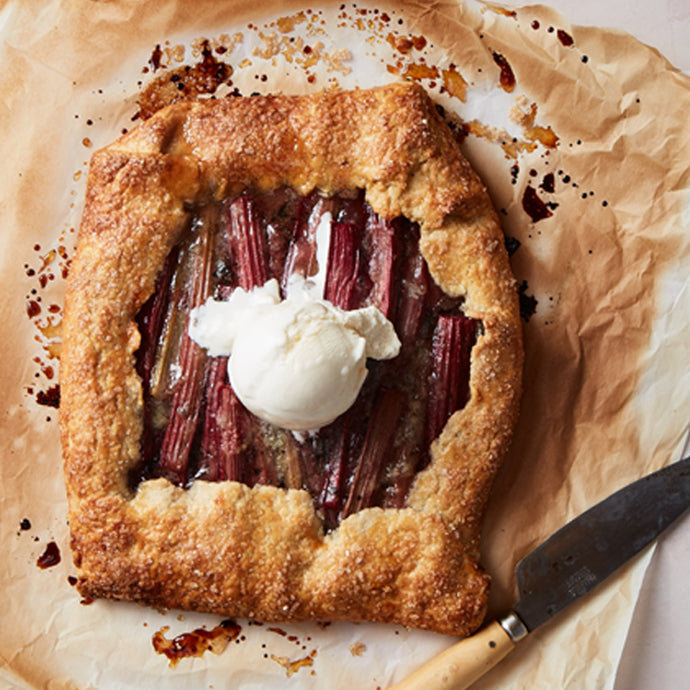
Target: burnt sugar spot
528, 303
507, 77
292, 666
565, 38
46, 317
405, 44
197, 642
50, 556
418, 71
454, 83
514, 172
49, 397
156, 57
548, 184
182, 83
33, 308
533, 206
512, 244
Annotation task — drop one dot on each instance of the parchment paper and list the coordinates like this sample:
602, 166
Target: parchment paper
604, 282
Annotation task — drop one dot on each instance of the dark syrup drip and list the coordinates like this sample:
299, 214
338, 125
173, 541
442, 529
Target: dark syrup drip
507, 77
49, 397
50, 556
533, 206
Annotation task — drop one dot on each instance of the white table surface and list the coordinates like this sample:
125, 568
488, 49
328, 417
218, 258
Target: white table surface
658, 644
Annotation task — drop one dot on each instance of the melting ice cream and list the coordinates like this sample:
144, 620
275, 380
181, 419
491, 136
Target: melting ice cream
297, 363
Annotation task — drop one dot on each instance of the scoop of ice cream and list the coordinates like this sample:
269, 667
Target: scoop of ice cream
297, 366
297, 363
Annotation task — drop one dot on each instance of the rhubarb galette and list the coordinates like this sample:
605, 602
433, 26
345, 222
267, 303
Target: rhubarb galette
181, 497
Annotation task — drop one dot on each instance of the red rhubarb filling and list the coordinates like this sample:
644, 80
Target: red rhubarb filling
195, 428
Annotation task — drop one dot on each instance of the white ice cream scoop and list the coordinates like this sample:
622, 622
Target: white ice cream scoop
297, 363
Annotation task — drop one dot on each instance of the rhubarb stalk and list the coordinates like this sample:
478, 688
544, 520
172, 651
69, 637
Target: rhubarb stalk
330, 499
221, 440
302, 255
344, 259
187, 395
248, 247
347, 281
293, 469
413, 278
383, 252
449, 389
248, 243
376, 449
342, 274
150, 320
259, 465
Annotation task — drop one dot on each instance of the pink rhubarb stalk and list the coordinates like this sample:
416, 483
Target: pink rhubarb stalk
301, 256
344, 262
187, 394
333, 489
376, 450
449, 388
224, 422
151, 320
383, 255
248, 243
413, 279
341, 289
223, 452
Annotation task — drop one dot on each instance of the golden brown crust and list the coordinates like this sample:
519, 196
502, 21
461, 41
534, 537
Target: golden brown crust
260, 552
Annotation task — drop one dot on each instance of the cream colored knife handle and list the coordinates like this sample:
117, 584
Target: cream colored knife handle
462, 664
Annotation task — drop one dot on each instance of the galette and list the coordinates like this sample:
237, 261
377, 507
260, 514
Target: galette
291, 363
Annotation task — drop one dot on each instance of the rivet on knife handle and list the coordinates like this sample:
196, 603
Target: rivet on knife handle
465, 662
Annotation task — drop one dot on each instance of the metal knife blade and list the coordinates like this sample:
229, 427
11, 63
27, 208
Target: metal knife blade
587, 550
565, 567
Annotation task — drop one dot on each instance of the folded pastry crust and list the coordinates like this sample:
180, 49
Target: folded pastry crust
261, 552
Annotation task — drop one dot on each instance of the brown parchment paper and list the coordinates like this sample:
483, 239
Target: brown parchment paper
604, 281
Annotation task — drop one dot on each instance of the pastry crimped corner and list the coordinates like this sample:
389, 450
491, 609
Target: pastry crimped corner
248, 548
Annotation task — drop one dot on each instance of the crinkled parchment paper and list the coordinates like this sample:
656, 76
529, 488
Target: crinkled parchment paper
593, 135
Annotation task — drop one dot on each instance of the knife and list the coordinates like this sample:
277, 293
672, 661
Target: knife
565, 567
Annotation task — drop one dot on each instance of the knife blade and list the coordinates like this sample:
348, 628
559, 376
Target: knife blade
565, 567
